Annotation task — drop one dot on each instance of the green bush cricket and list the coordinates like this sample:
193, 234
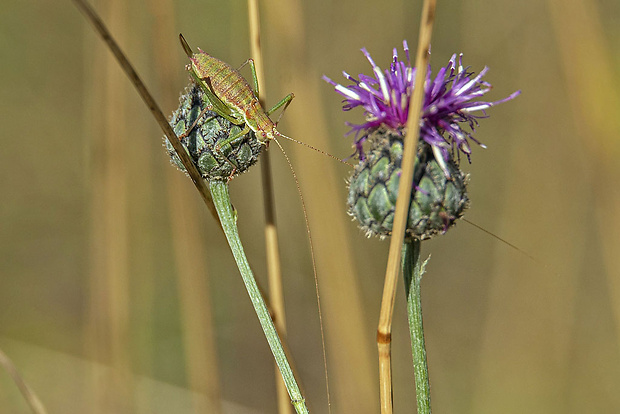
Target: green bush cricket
231, 96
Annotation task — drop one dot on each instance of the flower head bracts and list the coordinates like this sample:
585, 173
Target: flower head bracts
449, 103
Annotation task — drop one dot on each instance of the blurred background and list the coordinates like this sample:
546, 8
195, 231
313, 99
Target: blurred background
118, 292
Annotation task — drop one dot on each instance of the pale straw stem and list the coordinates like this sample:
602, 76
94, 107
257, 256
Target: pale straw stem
384, 330
276, 296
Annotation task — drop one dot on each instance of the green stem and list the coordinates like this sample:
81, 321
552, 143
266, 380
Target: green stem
221, 199
412, 272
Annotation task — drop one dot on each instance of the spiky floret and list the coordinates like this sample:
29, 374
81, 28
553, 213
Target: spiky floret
201, 134
448, 113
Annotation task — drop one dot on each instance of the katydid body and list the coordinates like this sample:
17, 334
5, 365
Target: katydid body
231, 96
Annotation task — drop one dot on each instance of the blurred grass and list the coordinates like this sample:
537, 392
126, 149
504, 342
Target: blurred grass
504, 334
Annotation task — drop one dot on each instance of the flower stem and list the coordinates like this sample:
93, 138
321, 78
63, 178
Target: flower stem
221, 199
412, 272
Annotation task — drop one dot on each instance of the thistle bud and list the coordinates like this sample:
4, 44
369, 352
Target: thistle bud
437, 200
204, 135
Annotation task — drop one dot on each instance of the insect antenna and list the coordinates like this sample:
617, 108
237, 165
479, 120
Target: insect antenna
507, 243
186, 47
314, 270
312, 148
495, 236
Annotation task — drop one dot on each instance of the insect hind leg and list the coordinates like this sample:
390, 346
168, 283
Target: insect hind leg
254, 76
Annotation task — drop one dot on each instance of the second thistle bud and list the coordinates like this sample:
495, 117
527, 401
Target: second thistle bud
437, 200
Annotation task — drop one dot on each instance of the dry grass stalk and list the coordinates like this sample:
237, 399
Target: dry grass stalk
384, 330
274, 272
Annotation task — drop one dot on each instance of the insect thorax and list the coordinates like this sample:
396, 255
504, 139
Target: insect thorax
258, 121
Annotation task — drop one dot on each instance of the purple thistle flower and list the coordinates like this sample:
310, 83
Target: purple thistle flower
449, 103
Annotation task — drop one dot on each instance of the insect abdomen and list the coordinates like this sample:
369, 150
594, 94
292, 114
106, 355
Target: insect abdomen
233, 89
227, 83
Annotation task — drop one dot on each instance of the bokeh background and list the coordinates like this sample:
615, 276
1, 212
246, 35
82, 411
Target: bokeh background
119, 294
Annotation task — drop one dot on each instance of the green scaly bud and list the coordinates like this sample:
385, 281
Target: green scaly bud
437, 200
202, 141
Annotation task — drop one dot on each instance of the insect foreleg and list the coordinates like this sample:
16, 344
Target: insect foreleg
286, 101
200, 115
230, 141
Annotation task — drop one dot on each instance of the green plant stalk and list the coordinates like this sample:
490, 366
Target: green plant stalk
221, 199
412, 272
